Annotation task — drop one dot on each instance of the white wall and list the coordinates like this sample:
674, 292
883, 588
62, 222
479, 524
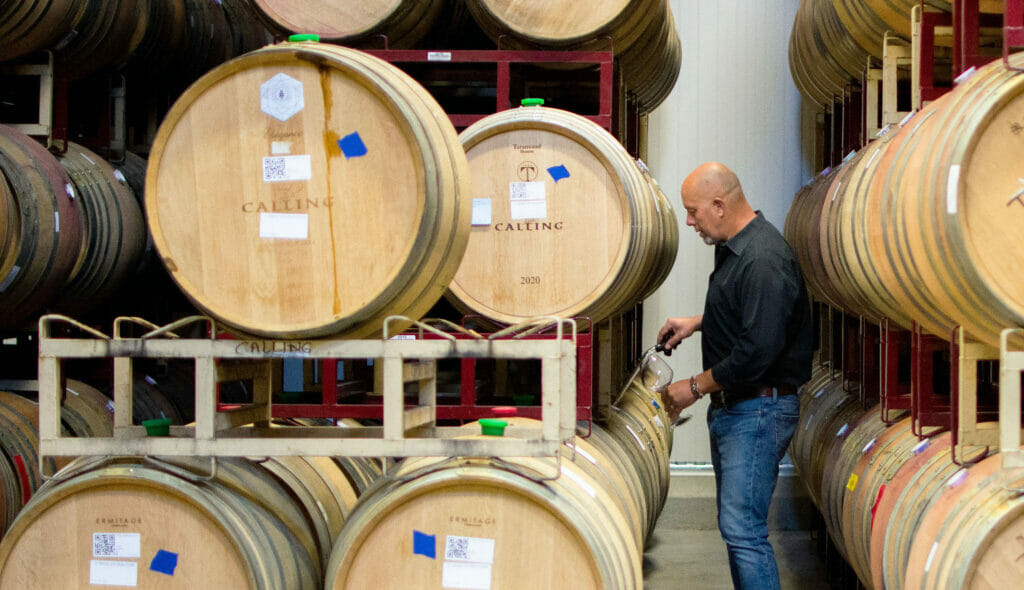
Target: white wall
735, 102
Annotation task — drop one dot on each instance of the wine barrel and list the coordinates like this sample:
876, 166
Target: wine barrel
331, 193
31, 25
869, 20
641, 33
570, 224
19, 452
969, 537
823, 56
904, 504
323, 488
496, 520
803, 231
823, 412
873, 470
114, 231
240, 529
10, 226
639, 413
47, 235
850, 442
643, 445
354, 22
104, 34
609, 446
600, 466
953, 197
923, 234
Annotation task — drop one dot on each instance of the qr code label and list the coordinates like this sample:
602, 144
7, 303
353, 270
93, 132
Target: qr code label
103, 545
287, 168
469, 549
273, 169
116, 545
457, 548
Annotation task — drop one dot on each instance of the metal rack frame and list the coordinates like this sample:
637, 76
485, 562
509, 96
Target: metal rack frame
246, 430
973, 426
502, 60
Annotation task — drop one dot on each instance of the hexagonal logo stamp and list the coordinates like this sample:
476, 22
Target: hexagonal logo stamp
281, 97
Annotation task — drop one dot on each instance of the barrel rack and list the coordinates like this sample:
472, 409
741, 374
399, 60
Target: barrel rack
897, 369
872, 102
406, 430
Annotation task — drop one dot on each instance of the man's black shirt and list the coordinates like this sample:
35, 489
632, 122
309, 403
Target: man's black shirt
757, 317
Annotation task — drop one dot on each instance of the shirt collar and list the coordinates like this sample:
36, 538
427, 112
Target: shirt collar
738, 242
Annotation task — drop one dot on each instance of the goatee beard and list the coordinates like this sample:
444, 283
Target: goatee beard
709, 240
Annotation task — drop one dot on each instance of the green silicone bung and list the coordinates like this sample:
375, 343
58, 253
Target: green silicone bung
532, 102
299, 37
493, 426
157, 426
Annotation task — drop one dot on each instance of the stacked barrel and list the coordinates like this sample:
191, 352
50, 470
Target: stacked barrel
832, 41
917, 228
921, 225
309, 190
569, 225
576, 521
72, 229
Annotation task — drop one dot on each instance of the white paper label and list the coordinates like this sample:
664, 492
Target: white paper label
116, 545
70, 190
472, 549
281, 97
120, 176
657, 420
467, 576
56, 222
285, 226
528, 200
113, 573
951, 187
287, 168
88, 159
439, 56
481, 212
280, 147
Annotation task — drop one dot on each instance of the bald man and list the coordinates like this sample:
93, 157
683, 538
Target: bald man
756, 343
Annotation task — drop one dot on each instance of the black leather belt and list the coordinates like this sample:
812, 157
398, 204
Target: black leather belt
723, 398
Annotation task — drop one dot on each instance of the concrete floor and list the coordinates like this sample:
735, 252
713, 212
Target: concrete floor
686, 551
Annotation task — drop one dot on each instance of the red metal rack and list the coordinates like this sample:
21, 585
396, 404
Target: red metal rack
502, 61
468, 407
1013, 27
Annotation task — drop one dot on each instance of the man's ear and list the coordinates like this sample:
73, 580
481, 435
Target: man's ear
719, 204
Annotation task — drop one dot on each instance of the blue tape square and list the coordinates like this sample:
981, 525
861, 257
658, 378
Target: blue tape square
352, 145
164, 562
558, 172
424, 544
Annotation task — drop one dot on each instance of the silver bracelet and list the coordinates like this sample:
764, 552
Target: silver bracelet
693, 388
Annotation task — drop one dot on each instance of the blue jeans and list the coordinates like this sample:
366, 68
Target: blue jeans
748, 440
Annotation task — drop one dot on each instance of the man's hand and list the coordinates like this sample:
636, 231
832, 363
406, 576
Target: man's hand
676, 330
677, 397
